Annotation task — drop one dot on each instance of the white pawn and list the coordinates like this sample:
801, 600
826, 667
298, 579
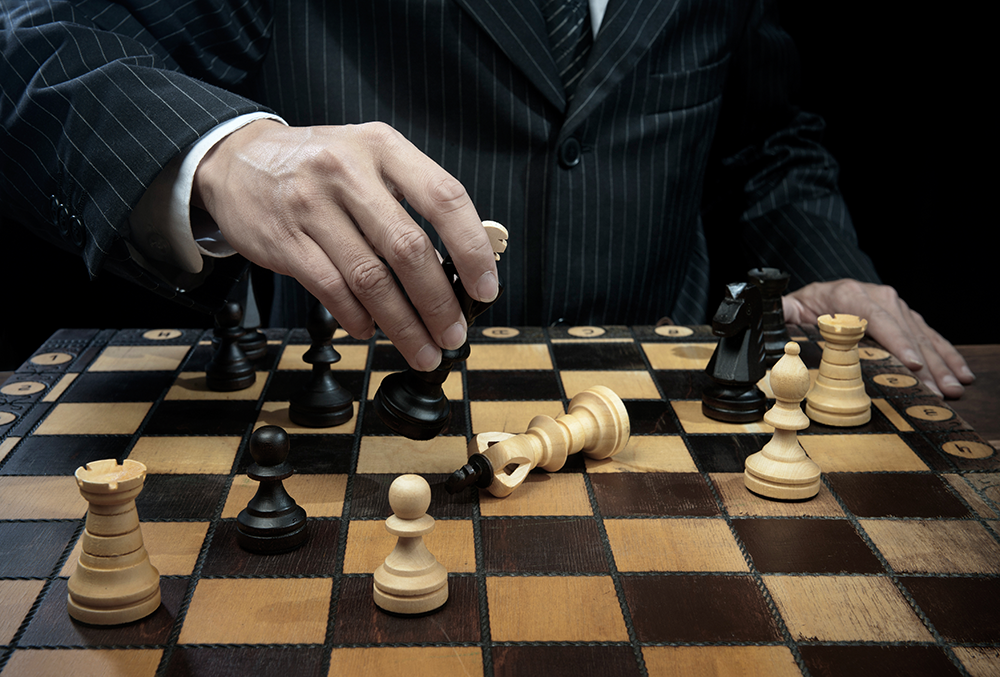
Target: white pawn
411, 580
781, 469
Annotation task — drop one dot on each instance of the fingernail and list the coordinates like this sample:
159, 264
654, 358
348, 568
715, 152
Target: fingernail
967, 374
428, 358
453, 337
487, 288
912, 360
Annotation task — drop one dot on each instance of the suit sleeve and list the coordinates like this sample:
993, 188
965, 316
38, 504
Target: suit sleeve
97, 98
772, 191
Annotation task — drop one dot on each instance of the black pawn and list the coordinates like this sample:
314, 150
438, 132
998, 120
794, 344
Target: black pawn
272, 522
738, 361
229, 368
323, 402
253, 343
772, 283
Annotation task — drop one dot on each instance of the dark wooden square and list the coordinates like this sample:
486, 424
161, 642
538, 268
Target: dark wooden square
62, 454
360, 621
653, 494
285, 383
33, 549
52, 625
532, 546
698, 609
370, 498
202, 417
513, 385
315, 557
963, 610
598, 356
651, 417
179, 497
385, 357
806, 546
724, 453
241, 661
896, 495
682, 384
372, 425
849, 661
312, 455
564, 661
130, 386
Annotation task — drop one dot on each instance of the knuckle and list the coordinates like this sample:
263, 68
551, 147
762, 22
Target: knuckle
447, 194
409, 244
369, 277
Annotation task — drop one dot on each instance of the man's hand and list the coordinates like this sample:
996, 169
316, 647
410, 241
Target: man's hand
901, 330
322, 204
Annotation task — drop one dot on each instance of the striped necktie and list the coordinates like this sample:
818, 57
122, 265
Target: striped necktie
568, 23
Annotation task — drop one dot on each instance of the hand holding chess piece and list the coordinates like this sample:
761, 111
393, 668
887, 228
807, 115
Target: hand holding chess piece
411, 580
412, 403
597, 424
781, 469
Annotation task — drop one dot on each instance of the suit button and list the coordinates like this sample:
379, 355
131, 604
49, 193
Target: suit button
62, 220
77, 232
569, 153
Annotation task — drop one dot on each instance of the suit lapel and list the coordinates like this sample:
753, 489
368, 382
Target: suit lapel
628, 30
518, 27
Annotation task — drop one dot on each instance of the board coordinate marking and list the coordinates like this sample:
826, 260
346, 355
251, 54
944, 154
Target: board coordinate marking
23, 388
51, 358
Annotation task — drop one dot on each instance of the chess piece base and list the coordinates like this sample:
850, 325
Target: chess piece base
771, 489
416, 604
840, 419
405, 410
734, 405
113, 615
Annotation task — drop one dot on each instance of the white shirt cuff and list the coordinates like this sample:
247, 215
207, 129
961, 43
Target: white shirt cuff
162, 224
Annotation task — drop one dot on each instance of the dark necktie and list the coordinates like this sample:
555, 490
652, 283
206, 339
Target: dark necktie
568, 23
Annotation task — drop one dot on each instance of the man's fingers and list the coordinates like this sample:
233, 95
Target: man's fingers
444, 202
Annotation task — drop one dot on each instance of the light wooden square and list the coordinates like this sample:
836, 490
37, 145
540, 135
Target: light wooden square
845, 609
979, 661
510, 417
408, 661
186, 455
541, 494
647, 453
191, 385
318, 495
368, 544
694, 421
935, 546
694, 356
398, 455
16, 598
140, 358
628, 385
258, 611
84, 662
94, 418
720, 661
452, 385
38, 498
519, 356
352, 356
674, 545
276, 413
740, 501
871, 453
964, 487
554, 609
173, 547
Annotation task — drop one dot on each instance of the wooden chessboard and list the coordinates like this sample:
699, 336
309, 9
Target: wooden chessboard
657, 561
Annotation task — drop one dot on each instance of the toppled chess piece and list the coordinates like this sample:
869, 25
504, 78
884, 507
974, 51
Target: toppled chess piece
229, 368
411, 580
323, 402
772, 284
596, 424
272, 522
781, 469
839, 397
738, 361
114, 581
412, 403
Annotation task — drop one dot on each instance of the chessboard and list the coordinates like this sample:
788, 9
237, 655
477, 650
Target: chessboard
656, 561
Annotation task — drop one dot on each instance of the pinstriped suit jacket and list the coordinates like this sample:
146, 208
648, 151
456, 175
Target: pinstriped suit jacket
681, 140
